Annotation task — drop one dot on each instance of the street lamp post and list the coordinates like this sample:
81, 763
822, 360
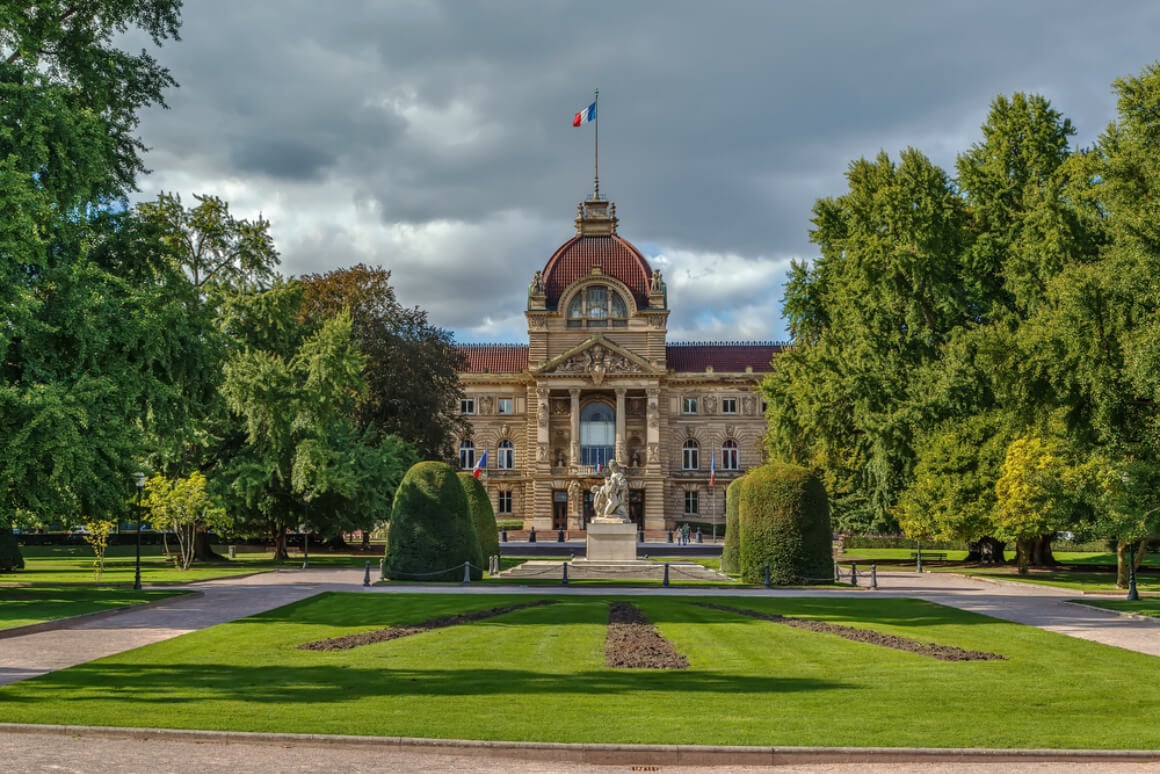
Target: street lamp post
1133, 593
139, 479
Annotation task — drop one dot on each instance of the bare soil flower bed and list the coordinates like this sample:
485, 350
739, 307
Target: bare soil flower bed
940, 652
634, 643
349, 641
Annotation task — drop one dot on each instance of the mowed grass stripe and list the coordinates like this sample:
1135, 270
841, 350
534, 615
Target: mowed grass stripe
538, 674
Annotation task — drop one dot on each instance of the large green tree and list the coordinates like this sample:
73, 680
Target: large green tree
99, 347
870, 312
412, 367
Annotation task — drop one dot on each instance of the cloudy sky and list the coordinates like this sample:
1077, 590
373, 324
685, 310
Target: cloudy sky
434, 138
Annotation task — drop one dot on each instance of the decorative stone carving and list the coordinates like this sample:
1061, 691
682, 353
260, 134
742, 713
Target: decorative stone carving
747, 405
597, 362
541, 452
537, 285
537, 321
654, 453
485, 404
658, 283
710, 404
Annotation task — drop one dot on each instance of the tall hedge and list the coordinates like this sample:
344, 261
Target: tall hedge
730, 551
482, 514
10, 556
784, 519
431, 533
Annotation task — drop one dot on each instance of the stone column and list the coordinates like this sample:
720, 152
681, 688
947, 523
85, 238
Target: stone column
620, 426
542, 422
575, 440
653, 431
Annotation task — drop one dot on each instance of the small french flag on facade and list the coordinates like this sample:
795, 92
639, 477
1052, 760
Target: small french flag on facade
585, 115
480, 464
712, 469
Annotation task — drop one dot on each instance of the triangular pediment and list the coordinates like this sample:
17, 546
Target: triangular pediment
597, 358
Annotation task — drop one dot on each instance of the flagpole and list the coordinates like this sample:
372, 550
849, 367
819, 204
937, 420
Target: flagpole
596, 141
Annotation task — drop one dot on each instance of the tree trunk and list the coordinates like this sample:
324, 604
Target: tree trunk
202, 550
1041, 555
987, 550
1124, 555
1023, 554
281, 553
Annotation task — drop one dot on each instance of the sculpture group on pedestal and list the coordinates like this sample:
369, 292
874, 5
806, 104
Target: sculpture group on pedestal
610, 499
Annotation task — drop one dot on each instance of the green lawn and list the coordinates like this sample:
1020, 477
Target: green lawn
34, 605
538, 674
1149, 607
66, 565
1092, 581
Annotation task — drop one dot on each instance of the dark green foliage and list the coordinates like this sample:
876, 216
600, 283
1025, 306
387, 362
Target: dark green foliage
730, 552
482, 514
10, 556
431, 532
784, 521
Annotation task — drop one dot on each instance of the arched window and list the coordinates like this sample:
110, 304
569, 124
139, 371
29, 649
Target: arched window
466, 455
729, 455
507, 456
597, 306
691, 455
597, 433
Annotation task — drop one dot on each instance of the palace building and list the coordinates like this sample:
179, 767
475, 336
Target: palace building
599, 380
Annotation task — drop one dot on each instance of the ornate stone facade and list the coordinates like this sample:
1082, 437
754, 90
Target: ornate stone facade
598, 381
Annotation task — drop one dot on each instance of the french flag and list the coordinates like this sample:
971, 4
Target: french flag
585, 115
712, 469
480, 465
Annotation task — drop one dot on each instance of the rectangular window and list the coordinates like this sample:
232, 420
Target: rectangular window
467, 406
690, 406
729, 405
505, 405
692, 503
504, 503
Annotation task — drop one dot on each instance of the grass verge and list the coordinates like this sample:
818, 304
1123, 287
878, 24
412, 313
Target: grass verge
68, 565
538, 674
28, 606
1149, 607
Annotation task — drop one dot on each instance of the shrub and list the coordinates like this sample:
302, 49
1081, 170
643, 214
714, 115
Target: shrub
784, 519
482, 514
730, 551
10, 556
431, 533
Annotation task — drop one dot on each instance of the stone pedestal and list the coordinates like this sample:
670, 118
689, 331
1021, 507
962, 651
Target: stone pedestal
611, 542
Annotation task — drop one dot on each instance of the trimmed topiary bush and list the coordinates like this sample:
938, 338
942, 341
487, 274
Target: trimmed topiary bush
10, 556
730, 551
430, 533
784, 519
482, 514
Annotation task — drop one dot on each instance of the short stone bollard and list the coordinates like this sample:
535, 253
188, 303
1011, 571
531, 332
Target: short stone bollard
367, 574
853, 573
233, 552
564, 579
767, 580
666, 580
873, 576
837, 572
466, 572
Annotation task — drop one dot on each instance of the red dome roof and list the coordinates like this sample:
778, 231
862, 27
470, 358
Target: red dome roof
616, 257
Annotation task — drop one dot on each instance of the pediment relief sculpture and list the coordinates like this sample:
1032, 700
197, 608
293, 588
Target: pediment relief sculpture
597, 361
